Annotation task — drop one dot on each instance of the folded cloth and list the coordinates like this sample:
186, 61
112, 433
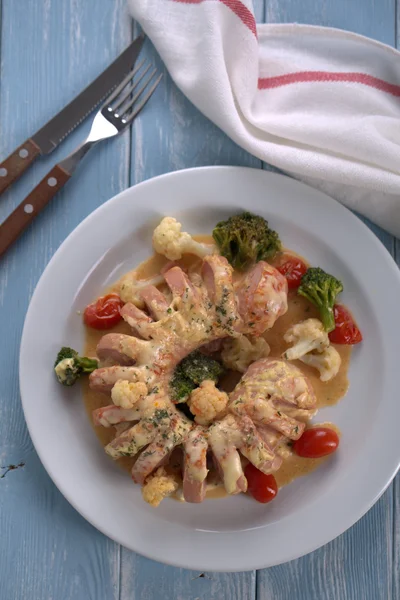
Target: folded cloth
321, 104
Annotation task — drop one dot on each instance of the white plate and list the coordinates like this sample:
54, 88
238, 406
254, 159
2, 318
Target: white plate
234, 533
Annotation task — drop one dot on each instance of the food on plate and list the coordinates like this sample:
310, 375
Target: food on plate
346, 330
321, 289
261, 486
326, 362
170, 241
317, 442
158, 486
262, 298
293, 268
127, 393
104, 313
312, 347
207, 402
131, 288
238, 353
69, 366
191, 372
246, 239
307, 336
215, 364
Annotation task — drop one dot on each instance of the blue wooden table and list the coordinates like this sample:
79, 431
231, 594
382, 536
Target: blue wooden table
49, 50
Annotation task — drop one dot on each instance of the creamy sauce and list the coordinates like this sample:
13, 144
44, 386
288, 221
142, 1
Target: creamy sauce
328, 393
299, 309
216, 492
296, 466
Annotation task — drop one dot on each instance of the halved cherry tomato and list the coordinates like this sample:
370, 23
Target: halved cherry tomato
293, 269
104, 313
316, 442
346, 330
262, 487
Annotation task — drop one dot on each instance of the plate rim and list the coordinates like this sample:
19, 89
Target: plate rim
75, 232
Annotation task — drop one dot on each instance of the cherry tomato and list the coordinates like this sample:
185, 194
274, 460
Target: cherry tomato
316, 442
293, 269
104, 313
262, 487
346, 330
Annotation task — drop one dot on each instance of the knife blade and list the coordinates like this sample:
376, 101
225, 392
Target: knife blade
56, 130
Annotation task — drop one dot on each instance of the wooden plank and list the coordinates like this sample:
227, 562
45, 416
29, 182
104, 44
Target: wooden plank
143, 579
64, 47
373, 18
348, 568
173, 135
50, 50
396, 485
396, 494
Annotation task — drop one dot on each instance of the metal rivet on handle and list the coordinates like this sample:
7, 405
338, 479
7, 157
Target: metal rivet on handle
52, 181
28, 208
23, 153
3, 172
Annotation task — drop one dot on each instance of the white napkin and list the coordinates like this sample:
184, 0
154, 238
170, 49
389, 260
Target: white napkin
319, 103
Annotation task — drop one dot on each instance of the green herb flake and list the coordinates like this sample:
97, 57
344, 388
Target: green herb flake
147, 453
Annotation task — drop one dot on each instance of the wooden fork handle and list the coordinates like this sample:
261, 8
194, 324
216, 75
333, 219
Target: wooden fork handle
17, 163
24, 214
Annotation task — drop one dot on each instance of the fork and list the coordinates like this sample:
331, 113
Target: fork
116, 114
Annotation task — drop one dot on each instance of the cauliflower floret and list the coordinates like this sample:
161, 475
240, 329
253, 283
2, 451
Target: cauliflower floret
239, 353
158, 486
311, 346
327, 362
130, 288
125, 393
169, 241
307, 336
206, 402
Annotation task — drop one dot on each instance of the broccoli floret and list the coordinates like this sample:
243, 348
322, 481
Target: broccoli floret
245, 239
180, 386
198, 367
69, 366
64, 353
321, 289
190, 372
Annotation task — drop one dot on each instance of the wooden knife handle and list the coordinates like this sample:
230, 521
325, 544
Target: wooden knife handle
17, 163
24, 214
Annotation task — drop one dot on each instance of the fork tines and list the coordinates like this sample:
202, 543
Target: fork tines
123, 103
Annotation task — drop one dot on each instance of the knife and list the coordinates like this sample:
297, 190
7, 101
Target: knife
49, 137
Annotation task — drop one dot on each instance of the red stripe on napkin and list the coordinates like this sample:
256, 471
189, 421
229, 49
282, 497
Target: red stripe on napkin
266, 83
243, 13
237, 7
